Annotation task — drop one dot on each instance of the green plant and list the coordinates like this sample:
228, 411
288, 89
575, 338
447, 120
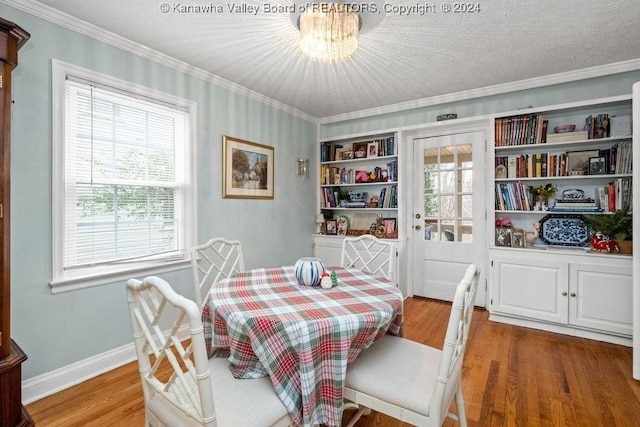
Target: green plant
617, 226
548, 190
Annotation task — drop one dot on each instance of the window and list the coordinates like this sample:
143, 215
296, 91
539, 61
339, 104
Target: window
123, 186
448, 192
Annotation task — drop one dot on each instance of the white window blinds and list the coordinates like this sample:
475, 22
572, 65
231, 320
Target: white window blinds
127, 192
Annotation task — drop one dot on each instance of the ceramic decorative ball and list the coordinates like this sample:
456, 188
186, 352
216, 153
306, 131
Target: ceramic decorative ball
308, 271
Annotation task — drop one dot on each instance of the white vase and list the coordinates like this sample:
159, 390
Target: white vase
308, 271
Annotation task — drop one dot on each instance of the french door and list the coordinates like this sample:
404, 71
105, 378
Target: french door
448, 218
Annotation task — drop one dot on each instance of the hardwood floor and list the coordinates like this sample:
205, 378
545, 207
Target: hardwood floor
512, 376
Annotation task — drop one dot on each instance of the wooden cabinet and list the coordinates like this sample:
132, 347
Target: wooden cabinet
577, 294
12, 413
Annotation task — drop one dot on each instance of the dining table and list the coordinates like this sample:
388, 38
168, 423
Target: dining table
302, 337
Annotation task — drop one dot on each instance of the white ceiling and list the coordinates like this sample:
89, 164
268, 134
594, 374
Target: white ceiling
405, 58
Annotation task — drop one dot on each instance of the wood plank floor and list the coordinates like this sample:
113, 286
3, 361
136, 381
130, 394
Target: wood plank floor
512, 376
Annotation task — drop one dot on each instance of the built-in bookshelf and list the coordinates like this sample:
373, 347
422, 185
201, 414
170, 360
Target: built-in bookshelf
587, 161
359, 185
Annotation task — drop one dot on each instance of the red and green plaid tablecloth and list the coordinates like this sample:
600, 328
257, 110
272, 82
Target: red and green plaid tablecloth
302, 337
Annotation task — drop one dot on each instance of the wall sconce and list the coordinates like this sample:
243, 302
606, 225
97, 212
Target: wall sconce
302, 168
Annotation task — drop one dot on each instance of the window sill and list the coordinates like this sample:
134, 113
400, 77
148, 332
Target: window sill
89, 281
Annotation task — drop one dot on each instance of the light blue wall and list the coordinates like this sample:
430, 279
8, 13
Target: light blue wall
57, 330
600, 87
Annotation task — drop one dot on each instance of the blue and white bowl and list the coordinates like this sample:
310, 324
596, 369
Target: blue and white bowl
308, 271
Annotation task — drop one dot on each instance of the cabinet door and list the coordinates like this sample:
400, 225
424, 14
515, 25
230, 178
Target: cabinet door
328, 249
601, 297
530, 287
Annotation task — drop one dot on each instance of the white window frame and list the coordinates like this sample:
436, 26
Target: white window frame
85, 277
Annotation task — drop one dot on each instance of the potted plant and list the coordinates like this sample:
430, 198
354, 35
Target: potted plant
617, 226
541, 195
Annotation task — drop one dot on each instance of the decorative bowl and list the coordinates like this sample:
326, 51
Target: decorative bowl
308, 271
564, 128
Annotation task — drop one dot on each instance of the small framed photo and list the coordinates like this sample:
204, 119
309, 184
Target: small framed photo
372, 149
359, 150
389, 226
517, 238
331, 227
503, 236
339, 153
578, 162
342, 225
597, 165
346, 155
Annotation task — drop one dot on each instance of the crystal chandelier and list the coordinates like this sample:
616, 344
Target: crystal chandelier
329, 31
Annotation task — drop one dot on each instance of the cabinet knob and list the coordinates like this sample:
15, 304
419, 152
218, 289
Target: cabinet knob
564, 293
573, 294
418, 216
417, 227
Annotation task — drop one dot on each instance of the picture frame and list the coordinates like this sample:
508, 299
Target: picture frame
503, 236
339, 153
389, 226
347, 155
342, 225
360, 150
247, 169
597, 165
331, 227
578, 161
518, 238
372, 149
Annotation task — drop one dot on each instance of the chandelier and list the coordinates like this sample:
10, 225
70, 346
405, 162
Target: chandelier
329, 31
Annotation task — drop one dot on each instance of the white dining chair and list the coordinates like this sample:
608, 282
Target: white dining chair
217, 259
371, 255
413, 382
181, 386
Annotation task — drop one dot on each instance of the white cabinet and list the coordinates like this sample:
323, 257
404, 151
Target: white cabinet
328, 249
581, 294
600, 296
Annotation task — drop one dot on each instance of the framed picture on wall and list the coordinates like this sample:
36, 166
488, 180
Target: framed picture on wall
247, 169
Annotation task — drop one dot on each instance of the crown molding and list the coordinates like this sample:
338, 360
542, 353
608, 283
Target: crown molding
100, 34
55, 16
553, 79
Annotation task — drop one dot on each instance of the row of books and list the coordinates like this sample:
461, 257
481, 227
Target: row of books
597, 126
521, 130
388, 198
532, 129
333, 175
332, 151
617, 195
616, 160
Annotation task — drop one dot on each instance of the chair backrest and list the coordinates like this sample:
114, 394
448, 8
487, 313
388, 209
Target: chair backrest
455, 342
215, 260
370, 255
157, 313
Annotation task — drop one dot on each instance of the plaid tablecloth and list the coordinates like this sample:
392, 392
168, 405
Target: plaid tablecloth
302, 337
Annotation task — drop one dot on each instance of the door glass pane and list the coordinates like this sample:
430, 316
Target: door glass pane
447, 190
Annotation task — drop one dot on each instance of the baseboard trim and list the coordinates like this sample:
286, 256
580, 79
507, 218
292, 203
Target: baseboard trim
55, 381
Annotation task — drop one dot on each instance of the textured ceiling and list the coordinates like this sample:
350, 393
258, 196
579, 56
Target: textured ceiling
406, 57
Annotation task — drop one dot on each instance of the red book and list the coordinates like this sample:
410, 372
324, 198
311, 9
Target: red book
612, 197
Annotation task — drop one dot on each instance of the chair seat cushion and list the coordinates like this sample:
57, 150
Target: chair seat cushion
244, 402
398, 371
238, 402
